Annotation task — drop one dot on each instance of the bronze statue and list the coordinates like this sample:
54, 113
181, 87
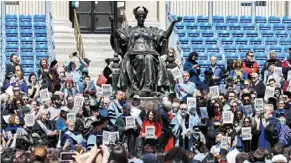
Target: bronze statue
142, 71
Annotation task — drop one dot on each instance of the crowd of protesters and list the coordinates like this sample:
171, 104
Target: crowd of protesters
182, 133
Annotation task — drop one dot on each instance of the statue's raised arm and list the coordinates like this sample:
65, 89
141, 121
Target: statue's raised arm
171, 27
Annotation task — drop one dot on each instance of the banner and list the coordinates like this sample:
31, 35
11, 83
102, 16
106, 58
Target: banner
130, 122
227, 117
246, 133
214, 91
259, 104
29, 120
150, 132
78, 101
44, 95
176, 72
71, 117
106, 90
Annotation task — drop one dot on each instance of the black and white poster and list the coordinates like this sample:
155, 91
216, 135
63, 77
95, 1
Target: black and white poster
278, 72
105, 137
78, 101
214, 91
130, 122
270, 91
106, 90
176, 72
289, 75
150, 132
44, 95
114, 136
225, 141
29, 120
204, 112
246, 133
71, 117
259, 104
191, 103
227, 117
247, 110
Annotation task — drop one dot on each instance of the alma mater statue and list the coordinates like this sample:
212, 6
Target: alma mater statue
142, 70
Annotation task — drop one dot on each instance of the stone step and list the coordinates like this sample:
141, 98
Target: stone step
90, 43
64, 48
95, 40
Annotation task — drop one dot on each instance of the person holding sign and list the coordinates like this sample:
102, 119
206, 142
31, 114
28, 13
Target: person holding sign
183, 125
186, 88
193, 68
213, 73
152, 119
71, 137
70, 89
128, 132
258, 86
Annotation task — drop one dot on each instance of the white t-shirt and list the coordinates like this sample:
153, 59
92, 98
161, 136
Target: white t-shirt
54, 112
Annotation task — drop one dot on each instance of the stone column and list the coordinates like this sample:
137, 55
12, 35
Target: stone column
60, 10
152, 17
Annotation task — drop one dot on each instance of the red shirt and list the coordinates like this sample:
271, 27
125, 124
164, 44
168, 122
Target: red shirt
158, 128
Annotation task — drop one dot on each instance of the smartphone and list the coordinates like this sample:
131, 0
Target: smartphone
67, 156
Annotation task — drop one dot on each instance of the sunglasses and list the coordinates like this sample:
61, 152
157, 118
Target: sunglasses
234, 106
25, 99
183, 109
253, 77
15, 90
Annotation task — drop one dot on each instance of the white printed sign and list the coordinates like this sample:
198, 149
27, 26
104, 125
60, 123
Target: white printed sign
150, 132
225, 142
214, 91
246, 133
105, 137
191, 103
289, 75
278, 71
6, 118
259, 104
203, 111
130, 122
106, 90
176, 72
78, 101
71, 117
69, 76
44, 95
21, 131
270, 91
29, 119
109, 137
227, 117
247, 110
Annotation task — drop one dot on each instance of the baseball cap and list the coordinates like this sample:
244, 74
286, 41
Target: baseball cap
136, 97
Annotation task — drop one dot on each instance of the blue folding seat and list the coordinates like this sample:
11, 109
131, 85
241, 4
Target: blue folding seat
196, 41
212, 49
189, 18
241, 41
179, 26
258, 48
274, 19
202, 18
174, 16
229, 49
286, 48
181, 33
26, 40
28, 55
281, 56
288, 27
185, 55
223, 34
242, 56
261, 63
281, 34
207, 33
39, 18
24, 18
40, 33
12, 41
271, 41
285, 41
264, 27
8, 54
226, 41
11, 18
276, 48
203, 63
185, 48
237, 33
198, 48
41, 48
231, 19
202, 56
261, 19
40, 56
256, 41
234, 26
220, 26
11, 48
245, 19
233, 56
193, 33
28, 69
243, 48
248, 26
220, 63
218, 55
279, 27
184, 40
26, 33
266, 34
191, 26
42, 41
218, 19
11, 25
25, 25
205, 26
210, 41
26, 48
286, 19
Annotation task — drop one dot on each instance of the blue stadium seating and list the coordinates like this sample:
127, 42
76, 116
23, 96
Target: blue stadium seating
12, 41
203, 63
265, 27
234, 26
288, 27
245, 19
39, 18
11, 33
190, 19
241, 41
11, 48
212, 49
256, 41
27, 54
261, 63
276, 48
11, 25
202, 18
26, 48
185, 48
11, 18
226, 41
237, 34
26, 40
218, 55
231, 19
39, 56
205, 26
281, 56
286, 19
279, 27
229, 49
258, 48
233, 56
223, 34
41, 48
285, 49
179, 26
261, 56
181, 33
242, 56
266, 34
274, 19
220, 63
198, 48
202, 56
193, 33
220, 26
261, 19
285, 41
247, 26
218, 19
24, 18
243, 48
41, 41
281, 34
210, 41
196, 41
191, 26
25, 25
26, 33
184, 40
271, 41
207, 33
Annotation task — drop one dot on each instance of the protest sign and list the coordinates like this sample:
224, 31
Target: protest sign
105, 137
289, 75
106, 90
44, 95
29, 120
21, 131
114, 136
6, 118
247, 110
225, 142
130, 122
191, 103
70, 76
90, 85
150, 132
246, 133
71, 117
227, 117
278, 72
259, 104
214, 91
78, 101
203, 111
270, 91
176, 72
